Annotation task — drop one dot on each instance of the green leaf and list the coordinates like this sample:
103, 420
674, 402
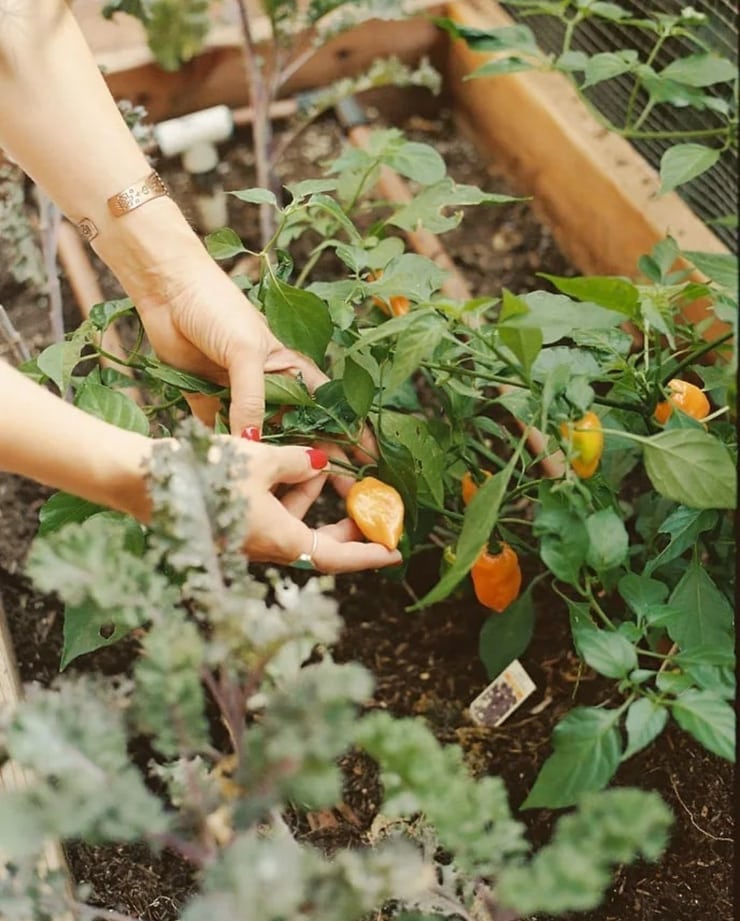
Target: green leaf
709, 719
428, 207
111, 406
359, 387
58, 361
504, 637
61, 509
224, 244
559, 317
720, 267
409, 274
509, 65
416, 161
412, 432
88, 627
334, 209
702, 614
524, 342
503, 38
480, 517
417, 344
102, 315
700, 70
304, 188
608, 64
684, 525
571, 61
563, 535
610, 11
645, 722
608, 291
397, 466
587, 750
298, 318
641, 592
256, 196
683, 162
692, 468
190, 383
284, 390
606, 651
608, 540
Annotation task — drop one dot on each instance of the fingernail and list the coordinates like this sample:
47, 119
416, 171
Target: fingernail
318, 458
251, 433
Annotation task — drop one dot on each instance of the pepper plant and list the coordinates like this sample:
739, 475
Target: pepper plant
702, 80
637, 540
210, 640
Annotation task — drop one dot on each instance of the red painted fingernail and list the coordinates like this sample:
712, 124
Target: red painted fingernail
318, 458
251, 433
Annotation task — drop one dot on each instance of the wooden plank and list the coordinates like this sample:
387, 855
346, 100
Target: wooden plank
596, 193
217, 75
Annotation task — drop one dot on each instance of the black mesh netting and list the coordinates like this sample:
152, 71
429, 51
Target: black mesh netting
712, 195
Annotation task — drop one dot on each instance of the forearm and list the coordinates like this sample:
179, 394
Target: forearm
50, 441
61, 125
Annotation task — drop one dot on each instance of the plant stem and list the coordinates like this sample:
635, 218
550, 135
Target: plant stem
697, 354
14, 339
638, 81
261, 125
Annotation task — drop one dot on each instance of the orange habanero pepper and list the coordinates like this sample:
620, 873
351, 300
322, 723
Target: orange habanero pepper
587, 440
686, 397
377, 510
397, 306
497, 578
468, 486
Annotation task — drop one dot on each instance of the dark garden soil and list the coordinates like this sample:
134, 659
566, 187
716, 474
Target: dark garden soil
424, 664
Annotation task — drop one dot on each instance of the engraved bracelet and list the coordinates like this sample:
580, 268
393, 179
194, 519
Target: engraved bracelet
147, 189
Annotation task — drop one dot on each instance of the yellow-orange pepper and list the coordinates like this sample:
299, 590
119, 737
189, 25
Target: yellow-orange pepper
377, 510
587, 440
397, 306
686, 397
468, 486
497, 578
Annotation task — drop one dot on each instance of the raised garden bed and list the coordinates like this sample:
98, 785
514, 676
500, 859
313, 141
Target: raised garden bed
425, 664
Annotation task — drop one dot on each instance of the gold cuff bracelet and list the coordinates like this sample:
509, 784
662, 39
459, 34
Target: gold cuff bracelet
134, 196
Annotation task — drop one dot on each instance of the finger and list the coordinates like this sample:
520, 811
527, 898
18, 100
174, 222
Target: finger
247, 392
288, 360
352, 556
292, 463
343, 531
276, 536
203, 407
299, 499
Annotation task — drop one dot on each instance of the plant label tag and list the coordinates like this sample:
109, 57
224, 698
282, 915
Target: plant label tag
503, 695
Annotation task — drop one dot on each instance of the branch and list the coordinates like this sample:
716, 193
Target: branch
14, 339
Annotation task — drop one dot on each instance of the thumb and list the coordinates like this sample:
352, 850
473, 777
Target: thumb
247, 393
293, 463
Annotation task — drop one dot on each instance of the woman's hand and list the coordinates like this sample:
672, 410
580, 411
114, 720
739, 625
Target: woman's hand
197, 320
276, 531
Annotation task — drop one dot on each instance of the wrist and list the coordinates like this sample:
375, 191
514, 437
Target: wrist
145, 248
